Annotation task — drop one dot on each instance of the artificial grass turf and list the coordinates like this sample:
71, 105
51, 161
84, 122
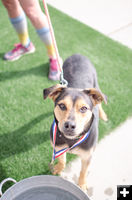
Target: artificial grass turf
25, 118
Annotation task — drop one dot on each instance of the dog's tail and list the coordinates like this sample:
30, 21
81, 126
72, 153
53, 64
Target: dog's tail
102, 114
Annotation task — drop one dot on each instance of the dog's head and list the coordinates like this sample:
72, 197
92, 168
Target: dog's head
73, 107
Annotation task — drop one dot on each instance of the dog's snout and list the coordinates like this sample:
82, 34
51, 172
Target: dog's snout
70, 125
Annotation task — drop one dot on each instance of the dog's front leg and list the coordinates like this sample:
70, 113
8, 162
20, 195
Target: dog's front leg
83, 173
59, 167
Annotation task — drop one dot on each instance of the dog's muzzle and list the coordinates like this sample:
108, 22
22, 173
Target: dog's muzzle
69, 127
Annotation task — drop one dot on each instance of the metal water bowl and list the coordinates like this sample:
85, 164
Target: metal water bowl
44, 187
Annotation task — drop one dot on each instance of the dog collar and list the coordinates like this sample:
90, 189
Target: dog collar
56, 154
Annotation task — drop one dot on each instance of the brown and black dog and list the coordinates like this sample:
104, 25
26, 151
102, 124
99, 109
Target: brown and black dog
77, 110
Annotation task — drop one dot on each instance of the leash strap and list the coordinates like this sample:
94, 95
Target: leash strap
52, 33
56, 154
62, 80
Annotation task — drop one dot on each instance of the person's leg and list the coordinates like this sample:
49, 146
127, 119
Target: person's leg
39, 21
18, 20
13, 8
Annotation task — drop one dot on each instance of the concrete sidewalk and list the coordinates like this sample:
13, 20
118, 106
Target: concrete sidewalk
111, 164
112, 18
112, 161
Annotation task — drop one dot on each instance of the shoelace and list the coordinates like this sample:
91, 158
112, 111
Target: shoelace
17, 47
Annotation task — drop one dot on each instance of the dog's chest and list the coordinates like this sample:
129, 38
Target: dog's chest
77, 151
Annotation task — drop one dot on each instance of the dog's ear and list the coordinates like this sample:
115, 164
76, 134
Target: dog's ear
53, 92
96, 96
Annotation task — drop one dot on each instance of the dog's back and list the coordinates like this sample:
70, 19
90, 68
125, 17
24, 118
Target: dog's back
79, 72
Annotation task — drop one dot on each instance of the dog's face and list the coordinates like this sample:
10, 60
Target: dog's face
73, 108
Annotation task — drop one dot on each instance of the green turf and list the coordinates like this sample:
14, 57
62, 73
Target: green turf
25, 118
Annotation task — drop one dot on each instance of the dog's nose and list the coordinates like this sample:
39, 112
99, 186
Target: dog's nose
69, 126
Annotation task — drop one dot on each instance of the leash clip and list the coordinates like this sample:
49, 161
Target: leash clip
62, 80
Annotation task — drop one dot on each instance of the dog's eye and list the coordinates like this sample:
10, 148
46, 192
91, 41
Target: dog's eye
62, 106
83, 109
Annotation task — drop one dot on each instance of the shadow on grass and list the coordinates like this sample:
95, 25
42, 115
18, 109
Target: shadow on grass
41, 70
2, 55
18, 141
2, 173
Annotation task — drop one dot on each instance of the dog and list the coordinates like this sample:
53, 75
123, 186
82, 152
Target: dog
77, 111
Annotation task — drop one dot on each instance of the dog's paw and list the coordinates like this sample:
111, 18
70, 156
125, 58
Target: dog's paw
84, 187
58, 168
82, 184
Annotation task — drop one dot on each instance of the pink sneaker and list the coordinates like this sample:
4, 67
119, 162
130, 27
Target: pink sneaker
54, 72
19, 51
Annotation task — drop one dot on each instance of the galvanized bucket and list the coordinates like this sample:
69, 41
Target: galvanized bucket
44, 187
